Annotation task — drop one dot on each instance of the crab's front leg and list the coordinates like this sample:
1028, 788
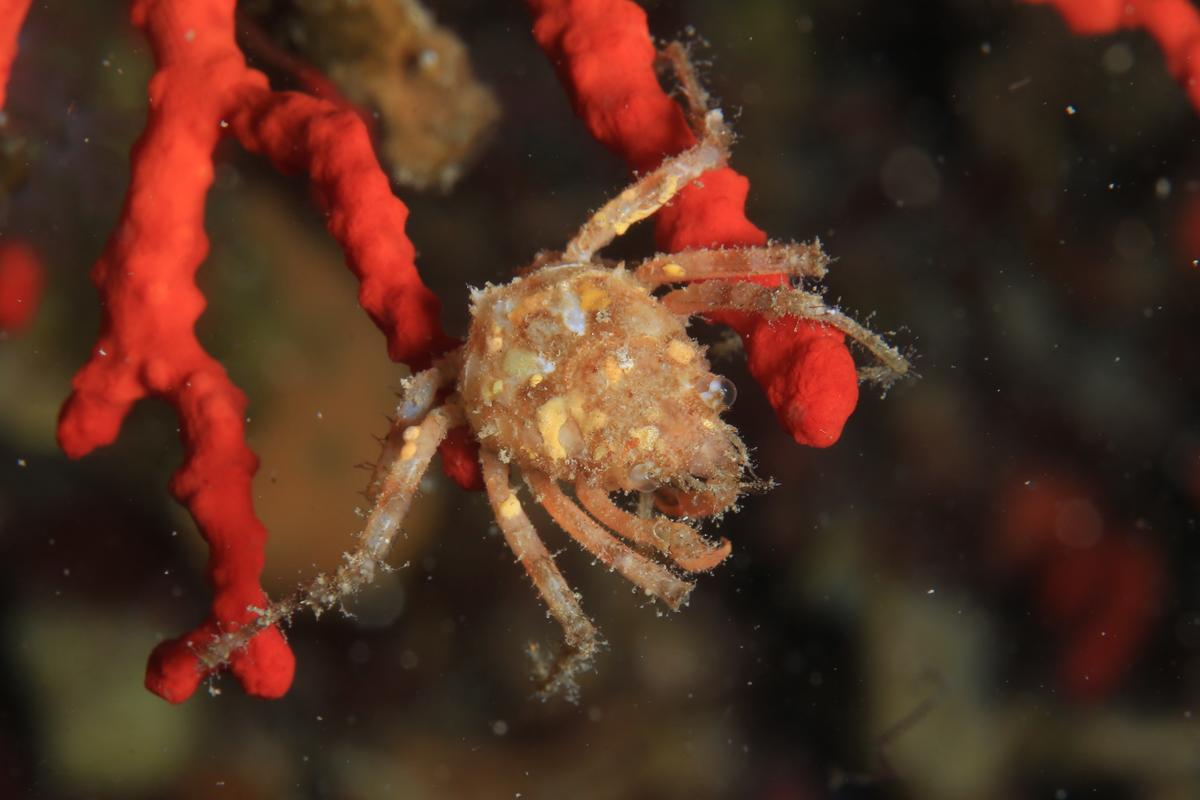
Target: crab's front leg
653, 191
581, 638
701, 298
407, 451
730, 263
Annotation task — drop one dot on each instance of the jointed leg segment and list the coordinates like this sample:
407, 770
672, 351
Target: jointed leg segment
675, 540
652, 191
803, 260
653, 578
581, 637
700, 298
410, 448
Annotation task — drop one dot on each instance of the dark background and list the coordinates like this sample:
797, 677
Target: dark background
987, 589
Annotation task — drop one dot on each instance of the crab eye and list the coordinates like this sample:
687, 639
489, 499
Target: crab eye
719, 392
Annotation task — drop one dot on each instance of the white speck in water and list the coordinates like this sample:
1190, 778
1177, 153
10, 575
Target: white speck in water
499, 727
931, 591
1070, 111
320, 415
22, 463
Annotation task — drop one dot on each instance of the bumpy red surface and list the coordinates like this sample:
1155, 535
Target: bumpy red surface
20, 285
604, 56
201, 90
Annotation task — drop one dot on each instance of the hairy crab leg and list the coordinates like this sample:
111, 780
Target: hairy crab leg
675, 56
804, 260
652, 191
651, 577
419, 394
578, 631
395, 493
675, 540
700, 298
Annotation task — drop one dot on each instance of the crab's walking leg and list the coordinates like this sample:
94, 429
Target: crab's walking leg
418, 395
675, 56
700, 298
522, 538
675, 540
652, 191
395, 492
803, 260
654, 579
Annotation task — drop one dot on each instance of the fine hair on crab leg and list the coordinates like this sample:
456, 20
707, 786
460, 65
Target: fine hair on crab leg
652, 191
419, 392
652, 578
417, 396
394, 497
578, 631
700, 298
675, 540
675, 56
803, 260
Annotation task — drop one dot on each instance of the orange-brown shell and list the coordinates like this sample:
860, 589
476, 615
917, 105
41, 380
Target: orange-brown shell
577, 371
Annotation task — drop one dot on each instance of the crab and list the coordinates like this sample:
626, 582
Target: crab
581, 371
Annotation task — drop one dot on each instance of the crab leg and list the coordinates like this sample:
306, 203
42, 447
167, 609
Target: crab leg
395, 492
805, 260
700, 298
417, 398
675, 540
652, 578
676, 57
581, 637
652, 192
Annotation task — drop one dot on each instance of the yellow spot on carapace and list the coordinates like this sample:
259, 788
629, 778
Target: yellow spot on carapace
532, 303
620, 228
646, 437
673, 270
679, 352
612, 371
600, 452
497, 387
593, 298
551, 415
595, 421
535, 380
411, 433
408, 451
707, 423
520, 364
495, 344
510, 507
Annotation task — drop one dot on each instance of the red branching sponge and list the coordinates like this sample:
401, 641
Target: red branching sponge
1174, 24
12, 14
604, 56
200, 91
20, 286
